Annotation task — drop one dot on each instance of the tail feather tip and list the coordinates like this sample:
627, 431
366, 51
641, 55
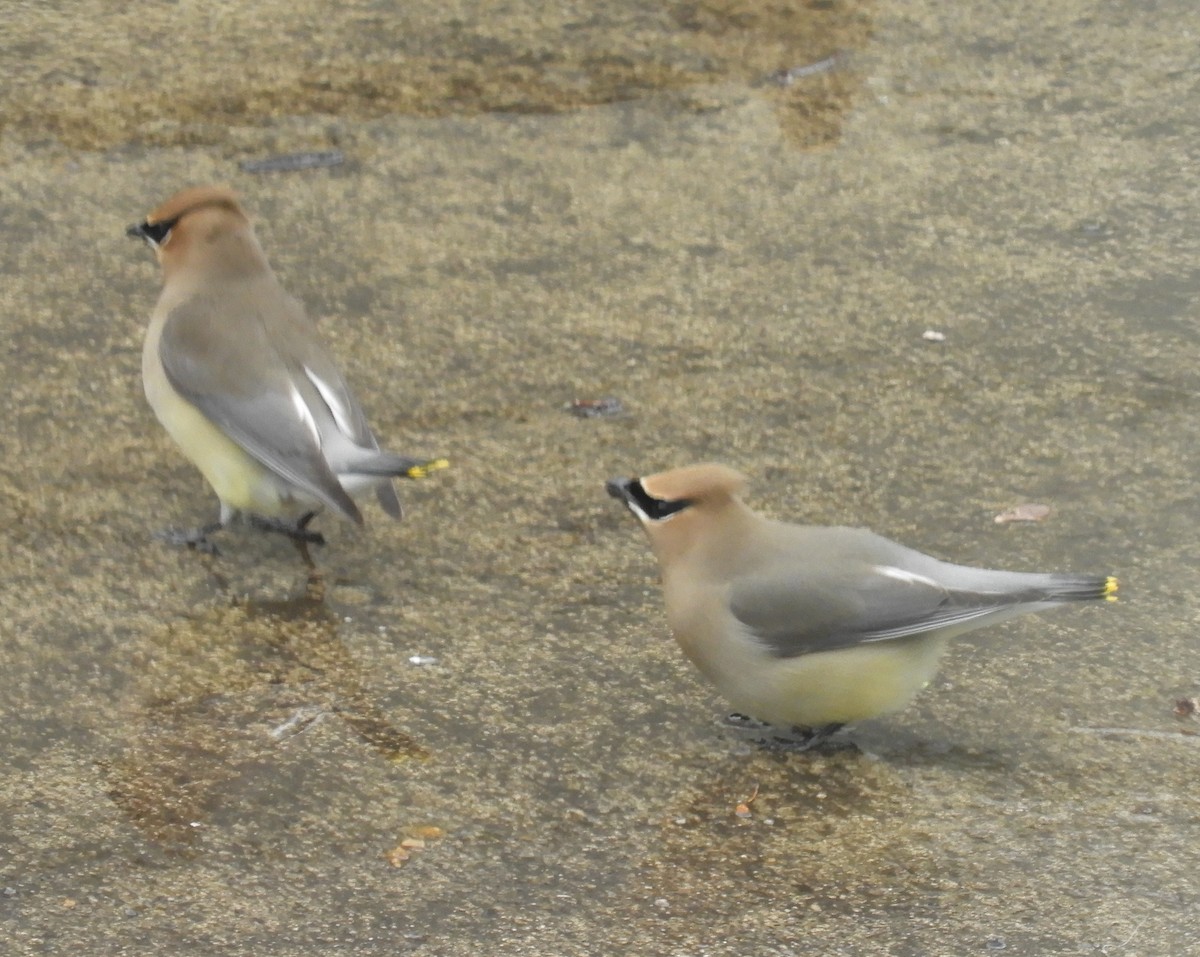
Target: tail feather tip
422, 469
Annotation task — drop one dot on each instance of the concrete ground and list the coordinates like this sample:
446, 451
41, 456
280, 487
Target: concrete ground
471, 732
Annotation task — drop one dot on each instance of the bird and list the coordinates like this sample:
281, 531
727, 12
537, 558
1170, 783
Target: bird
809, 626
237, 374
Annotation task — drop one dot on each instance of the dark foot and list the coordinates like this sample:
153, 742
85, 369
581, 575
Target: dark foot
195, 538
743, 722
302, 547
298, 532
808, 739
796, 739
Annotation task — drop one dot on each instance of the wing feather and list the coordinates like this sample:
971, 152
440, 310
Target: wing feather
848, 604
233, 372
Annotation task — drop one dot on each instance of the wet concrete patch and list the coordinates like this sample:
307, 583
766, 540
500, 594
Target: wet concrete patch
208, 756
204, 71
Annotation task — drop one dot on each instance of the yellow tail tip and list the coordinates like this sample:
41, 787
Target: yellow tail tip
1110, 588
422, 470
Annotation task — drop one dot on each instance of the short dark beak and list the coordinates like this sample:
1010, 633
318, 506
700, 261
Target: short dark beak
137, 231
619, 488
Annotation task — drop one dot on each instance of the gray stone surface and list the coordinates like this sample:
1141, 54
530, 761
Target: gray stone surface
220, 756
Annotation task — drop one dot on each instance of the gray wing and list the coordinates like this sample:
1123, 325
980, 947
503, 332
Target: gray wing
301, 350
233, 372
843, 604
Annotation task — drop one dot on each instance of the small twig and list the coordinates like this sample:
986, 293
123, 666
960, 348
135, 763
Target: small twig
302, 719
1128, 940
789, 76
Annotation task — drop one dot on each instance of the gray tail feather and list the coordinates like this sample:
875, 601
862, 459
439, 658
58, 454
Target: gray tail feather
386, 493
398, 466
1079, 588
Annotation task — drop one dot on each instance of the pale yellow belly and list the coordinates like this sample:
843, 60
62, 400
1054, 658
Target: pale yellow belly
832, 687
241, 482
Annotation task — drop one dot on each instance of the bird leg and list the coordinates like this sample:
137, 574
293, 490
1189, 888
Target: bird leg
314, 574
198, 538
297, 532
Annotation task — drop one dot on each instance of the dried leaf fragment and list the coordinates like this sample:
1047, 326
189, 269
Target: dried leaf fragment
743, 808
417, 839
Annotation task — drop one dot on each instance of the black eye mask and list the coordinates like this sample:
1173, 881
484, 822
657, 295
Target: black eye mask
154, 233
655, 509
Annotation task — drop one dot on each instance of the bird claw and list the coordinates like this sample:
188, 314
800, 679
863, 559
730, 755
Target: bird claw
738, 720
797, 739
800, 740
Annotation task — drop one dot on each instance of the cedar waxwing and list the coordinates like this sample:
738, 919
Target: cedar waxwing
809, 626
237, 374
